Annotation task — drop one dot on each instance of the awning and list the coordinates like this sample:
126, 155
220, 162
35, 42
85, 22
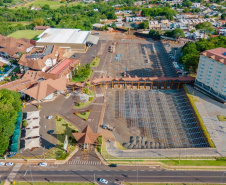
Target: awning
32, 132
32, 143
13, 147
92, 39
33, 123
31, 115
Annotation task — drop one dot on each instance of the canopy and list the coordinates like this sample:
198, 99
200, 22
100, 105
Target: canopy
32, 132
93, 39
32, 143
31, 115
33, 123
13, 147
16, 132
17, 126
14, 140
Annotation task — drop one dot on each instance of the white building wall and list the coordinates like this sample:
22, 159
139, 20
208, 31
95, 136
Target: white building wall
212, 73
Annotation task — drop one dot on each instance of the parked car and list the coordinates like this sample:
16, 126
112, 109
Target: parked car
9, 164
2, 164
11, 154
50, 117
43, 164
113, 165
50, 131
104, 181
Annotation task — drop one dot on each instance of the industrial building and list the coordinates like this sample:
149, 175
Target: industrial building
211, 73
73, 39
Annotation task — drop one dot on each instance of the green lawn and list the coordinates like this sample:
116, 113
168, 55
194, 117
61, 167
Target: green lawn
84, 115
43, 2
28, 34
63, 128
95, 62
221, 118
193, 162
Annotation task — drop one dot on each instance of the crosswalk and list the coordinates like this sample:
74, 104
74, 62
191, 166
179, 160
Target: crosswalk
95, 163
14, 171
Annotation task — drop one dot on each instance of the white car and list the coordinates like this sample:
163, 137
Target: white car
42, 164
49, 117
9, 164
104, 181
2, 164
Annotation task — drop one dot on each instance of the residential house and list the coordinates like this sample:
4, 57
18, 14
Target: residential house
11, 47
41, 59
154, 25
41, 27
196, 5
135, 19
199, 35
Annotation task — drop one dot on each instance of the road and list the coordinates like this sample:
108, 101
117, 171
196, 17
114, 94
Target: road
89, 173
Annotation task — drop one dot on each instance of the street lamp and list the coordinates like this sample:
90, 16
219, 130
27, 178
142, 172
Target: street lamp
137, 173
222, 177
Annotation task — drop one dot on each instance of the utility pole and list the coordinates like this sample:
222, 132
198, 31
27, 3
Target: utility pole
30, 172
94, 180
137, 173
222, 177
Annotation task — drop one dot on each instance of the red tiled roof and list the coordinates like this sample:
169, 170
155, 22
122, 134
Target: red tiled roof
61, 66
216, 54
86, 136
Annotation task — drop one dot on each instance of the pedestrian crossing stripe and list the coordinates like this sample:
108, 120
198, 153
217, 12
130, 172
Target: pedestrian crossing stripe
95, 163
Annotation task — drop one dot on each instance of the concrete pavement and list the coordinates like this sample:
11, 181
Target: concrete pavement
209, 109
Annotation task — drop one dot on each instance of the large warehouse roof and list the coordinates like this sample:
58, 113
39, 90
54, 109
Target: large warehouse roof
61, 35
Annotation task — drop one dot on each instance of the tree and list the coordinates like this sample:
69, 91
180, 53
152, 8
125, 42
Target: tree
186, 10
38, 22
10, 105
223, 16
46, 7
205, 26
190, 57
175, 33
178, 33
154, 34
113, 25
143, 25
1, 3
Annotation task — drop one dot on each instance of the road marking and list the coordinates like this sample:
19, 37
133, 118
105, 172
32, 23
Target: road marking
25, 173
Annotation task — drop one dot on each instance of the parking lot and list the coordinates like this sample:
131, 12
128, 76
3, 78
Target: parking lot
147, 119
139, 57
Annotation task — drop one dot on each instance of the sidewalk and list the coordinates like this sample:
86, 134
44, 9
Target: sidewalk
209, 109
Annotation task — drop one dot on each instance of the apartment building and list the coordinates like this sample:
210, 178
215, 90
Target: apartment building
211, 75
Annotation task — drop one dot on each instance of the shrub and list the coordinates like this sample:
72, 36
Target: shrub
99, 140
60, 119
79, 104
98, 149
25, 123
90, 98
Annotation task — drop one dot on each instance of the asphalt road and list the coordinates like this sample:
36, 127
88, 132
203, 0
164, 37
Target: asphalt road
87, 173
